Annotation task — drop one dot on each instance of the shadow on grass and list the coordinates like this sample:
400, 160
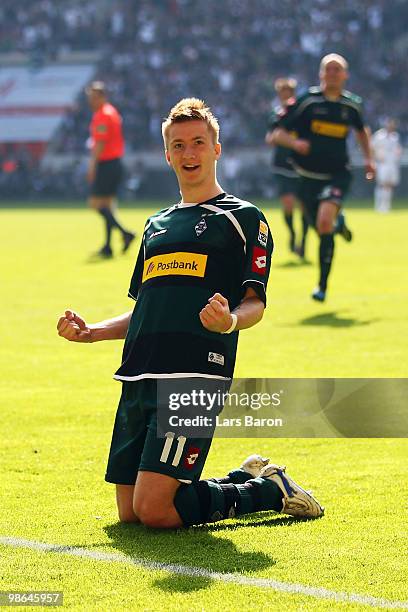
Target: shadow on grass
182, 584
333, 319
298, 263
260, 519
196, 547
95, 258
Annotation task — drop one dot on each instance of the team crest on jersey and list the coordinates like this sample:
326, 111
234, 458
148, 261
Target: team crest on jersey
263, 233
191, 457
200, 227
344, 114
259, 261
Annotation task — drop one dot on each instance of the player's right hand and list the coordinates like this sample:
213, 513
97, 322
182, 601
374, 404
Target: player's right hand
370, 169
301, 146
72, 327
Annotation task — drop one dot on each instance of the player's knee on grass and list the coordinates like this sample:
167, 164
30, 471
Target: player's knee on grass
158, 514
153, 500
124, 502
126, 516
153, 516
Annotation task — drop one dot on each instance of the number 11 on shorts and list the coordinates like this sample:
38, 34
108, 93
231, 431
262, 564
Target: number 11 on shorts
169, 438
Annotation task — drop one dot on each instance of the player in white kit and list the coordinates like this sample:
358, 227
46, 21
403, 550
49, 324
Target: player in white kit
387, 153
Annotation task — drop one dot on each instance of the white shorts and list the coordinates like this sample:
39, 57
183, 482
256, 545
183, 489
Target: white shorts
387, 175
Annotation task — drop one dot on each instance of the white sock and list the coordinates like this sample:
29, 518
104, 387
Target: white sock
387, 195
379, 198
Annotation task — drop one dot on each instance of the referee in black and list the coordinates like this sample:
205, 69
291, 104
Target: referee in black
105, 165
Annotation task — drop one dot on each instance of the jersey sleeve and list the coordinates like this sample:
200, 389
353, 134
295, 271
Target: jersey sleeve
137, 275
259, 248
273, 119
101, 128
358, 117
288, 117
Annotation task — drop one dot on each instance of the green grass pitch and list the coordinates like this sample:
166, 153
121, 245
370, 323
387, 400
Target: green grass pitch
58, 402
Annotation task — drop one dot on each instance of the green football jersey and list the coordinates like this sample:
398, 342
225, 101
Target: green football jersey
281, 156
325, 124
188, 253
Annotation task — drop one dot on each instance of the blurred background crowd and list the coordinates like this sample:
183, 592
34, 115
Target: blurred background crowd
150, 54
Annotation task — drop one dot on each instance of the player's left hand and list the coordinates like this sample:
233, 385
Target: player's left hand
370, 170
216, 315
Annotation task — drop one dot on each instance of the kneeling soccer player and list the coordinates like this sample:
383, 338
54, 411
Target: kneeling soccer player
200, 276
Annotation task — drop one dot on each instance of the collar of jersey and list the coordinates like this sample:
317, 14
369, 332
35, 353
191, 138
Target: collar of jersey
330, 98
220, 196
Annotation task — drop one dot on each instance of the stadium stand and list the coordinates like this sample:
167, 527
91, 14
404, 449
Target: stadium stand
153, 53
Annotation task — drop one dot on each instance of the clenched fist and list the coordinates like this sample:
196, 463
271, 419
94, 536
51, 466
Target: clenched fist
216, 315
73, 328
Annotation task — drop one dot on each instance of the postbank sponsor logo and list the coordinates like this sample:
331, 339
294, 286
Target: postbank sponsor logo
184, 264
327, 128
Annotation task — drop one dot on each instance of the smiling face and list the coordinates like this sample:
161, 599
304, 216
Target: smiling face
192, 153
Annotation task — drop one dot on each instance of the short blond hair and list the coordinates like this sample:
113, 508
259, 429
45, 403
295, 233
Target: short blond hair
191, 109
283, 82
334, 57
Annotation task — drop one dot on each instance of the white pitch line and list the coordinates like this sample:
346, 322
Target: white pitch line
199, 572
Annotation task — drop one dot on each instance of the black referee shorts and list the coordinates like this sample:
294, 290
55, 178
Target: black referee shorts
108, 176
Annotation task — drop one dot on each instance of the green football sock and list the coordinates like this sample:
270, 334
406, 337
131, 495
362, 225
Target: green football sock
289, 222
305, 227
237, 476
326, 252
206, 501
